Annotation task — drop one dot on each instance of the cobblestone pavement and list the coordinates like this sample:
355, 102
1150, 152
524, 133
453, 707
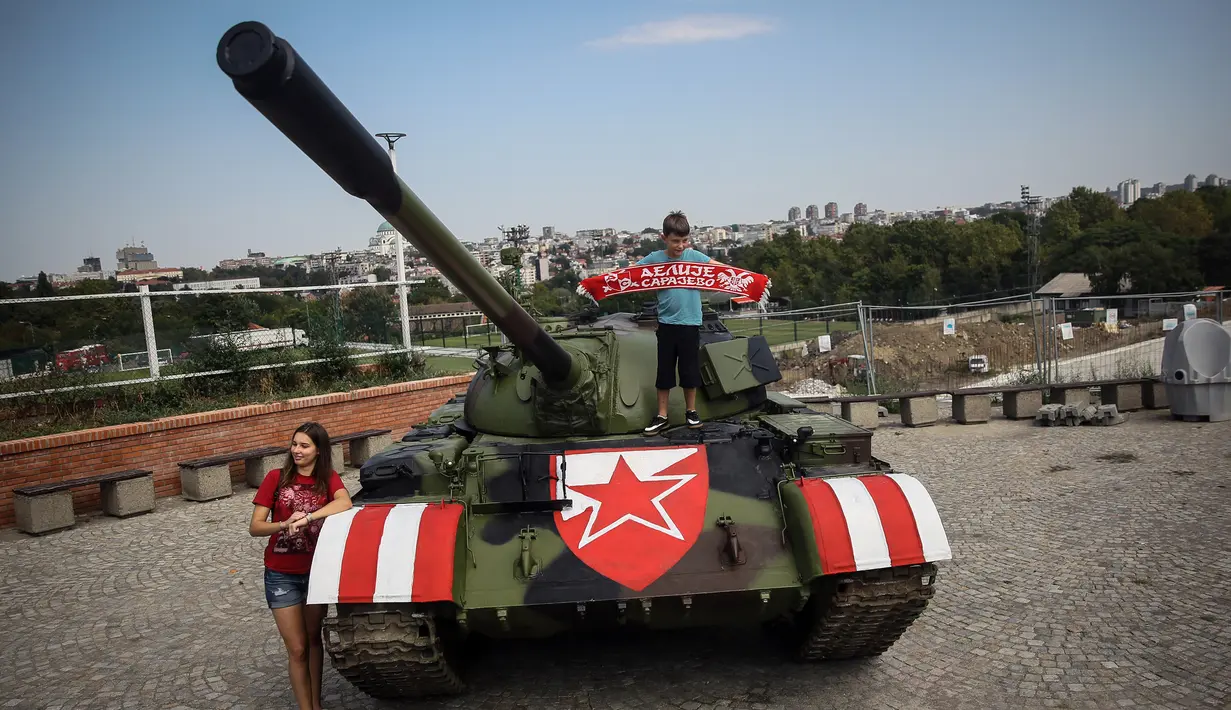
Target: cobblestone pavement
1091, 570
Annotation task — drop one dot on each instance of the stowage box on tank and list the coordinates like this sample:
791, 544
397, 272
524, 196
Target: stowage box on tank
532, 504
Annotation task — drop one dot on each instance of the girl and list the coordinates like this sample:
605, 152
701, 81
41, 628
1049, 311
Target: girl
299, 495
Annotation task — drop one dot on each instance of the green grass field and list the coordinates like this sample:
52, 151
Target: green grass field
451, 365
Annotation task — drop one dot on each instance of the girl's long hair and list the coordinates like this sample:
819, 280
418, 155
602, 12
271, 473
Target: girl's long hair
324, 459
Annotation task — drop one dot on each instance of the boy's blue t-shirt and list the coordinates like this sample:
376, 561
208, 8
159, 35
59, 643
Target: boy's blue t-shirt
678, 306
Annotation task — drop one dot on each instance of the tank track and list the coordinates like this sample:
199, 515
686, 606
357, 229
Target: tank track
864, 613
391, 653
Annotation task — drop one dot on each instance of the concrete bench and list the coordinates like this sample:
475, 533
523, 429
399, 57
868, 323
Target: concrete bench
919, 411
363, 444
49, 506
971, 408
209, 478
1022, 404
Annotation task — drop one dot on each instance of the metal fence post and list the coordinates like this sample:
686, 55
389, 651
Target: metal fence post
403, 306
1038, 351
871, 354
147, 322
867, 351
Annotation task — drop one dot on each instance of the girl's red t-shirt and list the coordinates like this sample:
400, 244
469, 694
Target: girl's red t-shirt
286, 553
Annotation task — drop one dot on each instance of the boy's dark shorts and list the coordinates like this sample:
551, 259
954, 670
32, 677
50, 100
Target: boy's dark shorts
682, 344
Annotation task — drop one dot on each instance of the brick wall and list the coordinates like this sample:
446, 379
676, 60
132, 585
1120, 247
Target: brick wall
158, 445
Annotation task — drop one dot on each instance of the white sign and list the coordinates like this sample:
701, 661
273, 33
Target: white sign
823, 343
1066, 331
1190, 311
1112, 316
950, 326
1170, 323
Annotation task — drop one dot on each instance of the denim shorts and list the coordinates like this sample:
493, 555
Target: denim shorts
283, 589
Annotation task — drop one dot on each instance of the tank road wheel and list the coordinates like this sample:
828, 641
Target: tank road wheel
863, 613
392, 653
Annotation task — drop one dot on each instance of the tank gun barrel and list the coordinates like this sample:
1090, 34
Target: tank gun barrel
268, 72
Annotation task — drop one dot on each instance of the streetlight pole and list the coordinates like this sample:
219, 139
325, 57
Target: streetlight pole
403, 309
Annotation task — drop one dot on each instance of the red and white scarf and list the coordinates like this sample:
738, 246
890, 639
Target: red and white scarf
677, 274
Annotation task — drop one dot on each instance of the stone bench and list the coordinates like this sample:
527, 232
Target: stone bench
1022, 404
209, 478
363, 444
49, 506
971, 408
919, 411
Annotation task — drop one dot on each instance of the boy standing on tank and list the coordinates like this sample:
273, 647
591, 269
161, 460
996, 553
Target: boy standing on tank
679, 326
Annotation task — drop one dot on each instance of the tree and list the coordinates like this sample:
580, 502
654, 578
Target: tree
44, 287
1218, 201
1138, 256
368, 313
1093, 207
1179, 212
430, 291
647, 246
1214, 255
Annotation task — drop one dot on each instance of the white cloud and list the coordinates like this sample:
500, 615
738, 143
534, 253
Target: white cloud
689, 29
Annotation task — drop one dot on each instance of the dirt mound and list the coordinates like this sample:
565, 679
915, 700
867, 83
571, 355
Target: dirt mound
920, 355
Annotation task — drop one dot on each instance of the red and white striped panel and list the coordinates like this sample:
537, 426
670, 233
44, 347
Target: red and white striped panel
871, 522
386, 553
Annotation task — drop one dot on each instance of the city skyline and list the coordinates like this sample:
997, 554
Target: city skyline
586, 117
359, 244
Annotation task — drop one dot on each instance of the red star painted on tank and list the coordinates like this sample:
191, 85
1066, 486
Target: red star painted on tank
635, 512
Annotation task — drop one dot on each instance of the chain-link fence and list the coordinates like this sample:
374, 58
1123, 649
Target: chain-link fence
93, 359
820, 351
141, 351
998, 342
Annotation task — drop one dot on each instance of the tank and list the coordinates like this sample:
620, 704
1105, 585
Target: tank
531, 504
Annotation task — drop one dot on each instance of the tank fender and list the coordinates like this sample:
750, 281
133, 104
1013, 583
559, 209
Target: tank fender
403, 552
851, 523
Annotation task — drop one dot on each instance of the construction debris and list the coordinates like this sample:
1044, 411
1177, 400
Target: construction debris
1077, 414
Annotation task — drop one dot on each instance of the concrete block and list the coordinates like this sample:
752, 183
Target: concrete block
1154, 395
972, 408
362, 449
44, 513
919, 411
255, 469
128, 497
861, 414
336, 453
1126, 398
1076, 396
1022, 405
206, 483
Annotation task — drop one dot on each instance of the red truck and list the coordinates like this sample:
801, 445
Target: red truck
88, 357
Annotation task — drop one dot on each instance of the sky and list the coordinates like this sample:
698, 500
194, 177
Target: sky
118, 127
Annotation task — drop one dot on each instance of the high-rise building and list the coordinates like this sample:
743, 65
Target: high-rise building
813, 212
1190, 183
1130, 191
134, 259
861, 209
831, 210
90, 264
792, 215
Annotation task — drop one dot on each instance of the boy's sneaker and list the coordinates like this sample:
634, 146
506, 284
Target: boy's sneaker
694, 421
657, 424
